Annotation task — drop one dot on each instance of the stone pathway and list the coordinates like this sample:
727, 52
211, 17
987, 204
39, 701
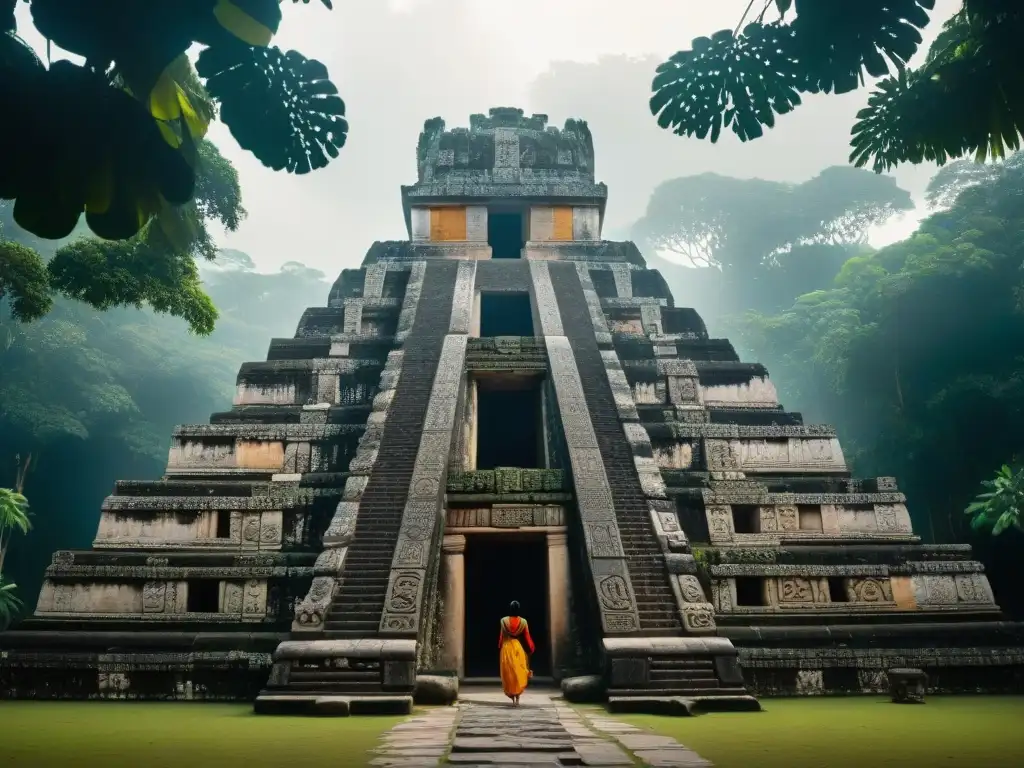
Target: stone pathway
542, 731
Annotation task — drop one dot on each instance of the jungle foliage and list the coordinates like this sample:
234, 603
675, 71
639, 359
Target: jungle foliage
139, 111
967, 97
92, 397
150, 268
760, 244
120, 138
916, 353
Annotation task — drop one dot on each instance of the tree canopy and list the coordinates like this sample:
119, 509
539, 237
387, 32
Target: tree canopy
966, 98
118, 137
155, 267
771, 240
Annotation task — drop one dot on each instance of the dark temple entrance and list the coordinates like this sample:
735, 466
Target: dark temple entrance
505, 234
501, 568
510, 428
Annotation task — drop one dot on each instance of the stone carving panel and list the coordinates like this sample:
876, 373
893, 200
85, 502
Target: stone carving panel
232, 597
720, 525
254, 599
935, 590
699, 618
722, 595
795, 589
512, 517
683, 390
973, 588
869, 590
690, 589
788, 517
154, 594
722, 455
462, 301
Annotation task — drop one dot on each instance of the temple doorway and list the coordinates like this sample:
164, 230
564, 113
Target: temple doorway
505, 230
501, 568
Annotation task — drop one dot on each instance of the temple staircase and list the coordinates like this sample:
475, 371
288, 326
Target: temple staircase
348, 664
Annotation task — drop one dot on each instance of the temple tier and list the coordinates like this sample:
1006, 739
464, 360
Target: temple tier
505, 407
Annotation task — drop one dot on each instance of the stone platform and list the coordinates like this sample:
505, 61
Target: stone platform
484, 729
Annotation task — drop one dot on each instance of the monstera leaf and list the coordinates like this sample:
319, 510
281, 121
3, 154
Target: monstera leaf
279, 106
746, 80
121, 132
967, 98
727, 80
838, 42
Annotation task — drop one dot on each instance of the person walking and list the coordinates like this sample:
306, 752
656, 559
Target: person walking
512, 657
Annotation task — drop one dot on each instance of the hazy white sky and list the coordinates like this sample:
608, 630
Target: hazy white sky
399, 62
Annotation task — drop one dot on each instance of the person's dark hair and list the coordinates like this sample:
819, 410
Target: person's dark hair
513, 610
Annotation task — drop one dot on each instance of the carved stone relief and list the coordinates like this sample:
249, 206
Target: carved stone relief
422, 516
720, 523
869, 590
593, 493
153, 596
795, 590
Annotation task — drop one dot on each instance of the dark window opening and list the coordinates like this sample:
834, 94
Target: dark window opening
509, 428
491, 585
750, 591
837, 590
203, 596
746, 518
506, 314
604, 283
223, 524
505, 235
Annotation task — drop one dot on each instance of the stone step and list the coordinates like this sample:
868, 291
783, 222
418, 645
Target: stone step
671, 663
326, 676
680, 691
383, 501
667, 677
335, 615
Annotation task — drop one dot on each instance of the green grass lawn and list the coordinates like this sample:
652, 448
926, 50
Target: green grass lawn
179, 735
866, 732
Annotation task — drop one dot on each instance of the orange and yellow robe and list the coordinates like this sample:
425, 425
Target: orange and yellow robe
515, 667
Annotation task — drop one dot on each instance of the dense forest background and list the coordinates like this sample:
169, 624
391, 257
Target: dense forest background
914, 351
91, 397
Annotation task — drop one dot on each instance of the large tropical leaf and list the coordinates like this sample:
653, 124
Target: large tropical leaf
279, 106
742, 81
967, 99
14, 514
10, 603
836, 42
745, 80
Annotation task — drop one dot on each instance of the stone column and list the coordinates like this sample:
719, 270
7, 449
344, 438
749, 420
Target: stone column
454, 596
558, 600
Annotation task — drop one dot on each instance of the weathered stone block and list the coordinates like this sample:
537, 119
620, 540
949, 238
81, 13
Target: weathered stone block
435, 689
586, 689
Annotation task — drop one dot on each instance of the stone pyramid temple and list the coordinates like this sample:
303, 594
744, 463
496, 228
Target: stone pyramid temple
505, 407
